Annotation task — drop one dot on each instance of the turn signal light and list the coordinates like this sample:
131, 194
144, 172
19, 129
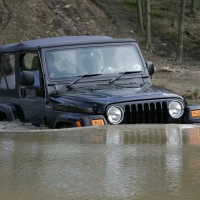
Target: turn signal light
195, 113
98, 122
78, 124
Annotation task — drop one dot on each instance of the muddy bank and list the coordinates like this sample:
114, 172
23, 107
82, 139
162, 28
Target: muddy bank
183, 81
24, 20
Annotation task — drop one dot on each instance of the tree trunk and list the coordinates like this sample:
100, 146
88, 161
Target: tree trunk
174, 15
179, 57
140, 17
193, 7
148, 26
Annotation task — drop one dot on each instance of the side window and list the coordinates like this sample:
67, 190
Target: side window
7, 71
31, 62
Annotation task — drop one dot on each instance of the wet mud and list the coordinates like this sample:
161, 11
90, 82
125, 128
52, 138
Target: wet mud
17, 126
184, 82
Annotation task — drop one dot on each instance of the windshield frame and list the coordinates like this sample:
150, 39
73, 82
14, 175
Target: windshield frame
71, 47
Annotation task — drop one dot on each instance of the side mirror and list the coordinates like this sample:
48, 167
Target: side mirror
150, 67
27, 78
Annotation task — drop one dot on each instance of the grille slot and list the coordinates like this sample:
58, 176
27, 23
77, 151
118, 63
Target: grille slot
152, 112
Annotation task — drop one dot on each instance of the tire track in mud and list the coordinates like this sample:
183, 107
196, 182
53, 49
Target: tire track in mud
5, 16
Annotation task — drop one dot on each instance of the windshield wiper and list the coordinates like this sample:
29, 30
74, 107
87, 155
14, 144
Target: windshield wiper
121, 74
80, 77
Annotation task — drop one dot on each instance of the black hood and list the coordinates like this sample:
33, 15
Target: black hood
111, 95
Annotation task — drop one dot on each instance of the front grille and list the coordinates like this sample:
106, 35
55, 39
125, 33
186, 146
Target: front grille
150, 112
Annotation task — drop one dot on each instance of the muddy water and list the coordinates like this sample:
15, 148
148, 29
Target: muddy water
115, 162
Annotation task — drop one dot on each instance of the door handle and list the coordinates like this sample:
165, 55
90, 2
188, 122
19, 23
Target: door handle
23, 91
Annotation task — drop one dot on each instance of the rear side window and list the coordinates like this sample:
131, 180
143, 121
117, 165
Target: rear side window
7, 72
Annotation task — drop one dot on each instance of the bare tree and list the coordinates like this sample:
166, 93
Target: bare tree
174, 13
140, 17
148, 26
193, 6
179, 57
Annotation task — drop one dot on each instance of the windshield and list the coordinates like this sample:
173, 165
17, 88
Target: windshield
92, 60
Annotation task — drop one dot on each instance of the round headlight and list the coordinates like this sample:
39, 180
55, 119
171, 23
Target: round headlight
176, 109
115, 114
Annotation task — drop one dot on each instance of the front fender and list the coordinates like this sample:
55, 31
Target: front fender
193, 114
72, 118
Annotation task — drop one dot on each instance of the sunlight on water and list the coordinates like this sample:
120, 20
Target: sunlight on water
110, 162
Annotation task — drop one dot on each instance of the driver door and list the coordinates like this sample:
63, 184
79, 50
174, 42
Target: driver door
31, 96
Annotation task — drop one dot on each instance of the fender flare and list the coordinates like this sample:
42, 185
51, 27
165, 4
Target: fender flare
71, 118
12, 111
189, 119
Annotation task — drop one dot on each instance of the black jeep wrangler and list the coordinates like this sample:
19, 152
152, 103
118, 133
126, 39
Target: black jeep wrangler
79, 81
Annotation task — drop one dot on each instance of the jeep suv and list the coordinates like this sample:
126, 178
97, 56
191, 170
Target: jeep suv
77, 81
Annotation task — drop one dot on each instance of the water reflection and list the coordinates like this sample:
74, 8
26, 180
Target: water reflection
111, 162
174, 159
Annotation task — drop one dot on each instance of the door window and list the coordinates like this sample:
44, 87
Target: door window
7, 72
31, 62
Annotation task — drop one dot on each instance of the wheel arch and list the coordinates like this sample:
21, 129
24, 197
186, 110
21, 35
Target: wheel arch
69, 120
11, 112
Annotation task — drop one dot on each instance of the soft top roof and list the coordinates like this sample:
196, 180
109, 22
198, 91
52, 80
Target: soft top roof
58, 41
